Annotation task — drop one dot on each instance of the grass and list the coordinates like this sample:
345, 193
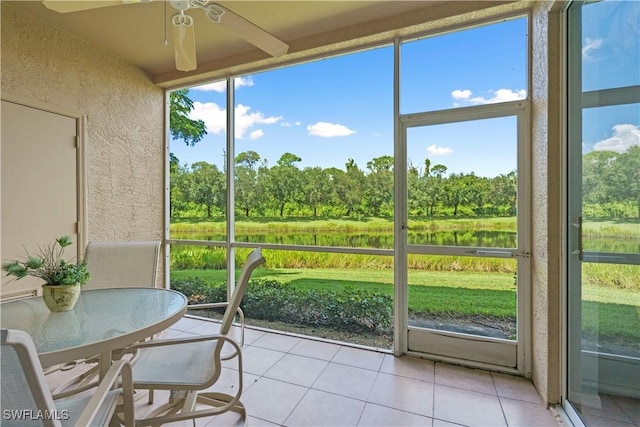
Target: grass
438, 285
341, 224
607, 227
275, 224
462, 293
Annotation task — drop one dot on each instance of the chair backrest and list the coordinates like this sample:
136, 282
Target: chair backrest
25, 393
123, 264
253, 260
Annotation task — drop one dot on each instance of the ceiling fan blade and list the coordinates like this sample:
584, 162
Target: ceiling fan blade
184, 42
252, 33
64, 6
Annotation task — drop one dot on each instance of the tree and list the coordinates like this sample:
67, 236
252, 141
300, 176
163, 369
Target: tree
283, 183
623, 177
248, 159
381, 164
190, 131
595, 166
414, 190
288, 159
458, 190
179, 180
434, 188
208, 186
379, 189
504, 192
248, 196
480, 192
180, 125
349, 187
316, 187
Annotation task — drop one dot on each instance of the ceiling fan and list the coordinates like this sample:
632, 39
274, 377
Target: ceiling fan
183, 29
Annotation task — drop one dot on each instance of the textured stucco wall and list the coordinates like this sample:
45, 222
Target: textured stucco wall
546, 157
124, 145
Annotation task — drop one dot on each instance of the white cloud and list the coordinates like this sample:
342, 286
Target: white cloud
222, 85
285, 124
256, 134
243, 81
215, 118
589, 46
298, 123
624, 137
246, 119
461, 94
500, 95
434, 150
329, 130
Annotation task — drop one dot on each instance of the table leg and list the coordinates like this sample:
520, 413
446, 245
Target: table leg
105, 363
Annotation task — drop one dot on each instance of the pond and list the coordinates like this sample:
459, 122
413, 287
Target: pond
384, 240
373, 239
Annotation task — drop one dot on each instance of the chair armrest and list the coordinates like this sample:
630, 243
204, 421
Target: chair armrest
175, 341
207, 305
121, 368
218, 305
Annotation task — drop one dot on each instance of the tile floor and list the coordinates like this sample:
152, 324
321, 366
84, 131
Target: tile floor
291, 381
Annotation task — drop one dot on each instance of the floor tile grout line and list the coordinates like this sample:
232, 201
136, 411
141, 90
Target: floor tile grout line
504, 415
284, 422
433, 394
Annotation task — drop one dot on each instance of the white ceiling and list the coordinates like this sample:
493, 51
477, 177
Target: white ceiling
136, 32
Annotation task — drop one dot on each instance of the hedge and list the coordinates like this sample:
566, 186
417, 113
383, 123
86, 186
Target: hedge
347, 309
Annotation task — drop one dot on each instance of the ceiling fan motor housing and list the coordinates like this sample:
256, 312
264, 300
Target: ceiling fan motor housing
180, 4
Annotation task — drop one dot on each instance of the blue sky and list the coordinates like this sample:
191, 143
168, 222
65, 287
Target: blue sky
611, 58
338, 108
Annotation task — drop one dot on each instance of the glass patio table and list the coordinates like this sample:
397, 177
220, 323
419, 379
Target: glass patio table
102, 320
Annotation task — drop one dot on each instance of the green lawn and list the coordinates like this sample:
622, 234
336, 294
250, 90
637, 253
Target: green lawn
432, 292
609, 311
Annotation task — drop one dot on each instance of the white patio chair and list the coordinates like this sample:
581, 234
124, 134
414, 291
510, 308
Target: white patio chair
122, 264
186, 366
27, 401
112, 264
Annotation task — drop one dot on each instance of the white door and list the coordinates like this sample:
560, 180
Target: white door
39, 185
462, 276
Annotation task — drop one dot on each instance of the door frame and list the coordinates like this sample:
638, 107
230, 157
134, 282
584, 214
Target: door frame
585, 373
520, 348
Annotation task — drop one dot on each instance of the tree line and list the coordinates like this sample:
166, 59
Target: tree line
284, 189
610, 184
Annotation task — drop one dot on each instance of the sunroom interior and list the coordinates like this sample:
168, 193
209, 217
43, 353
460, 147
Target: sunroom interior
98, 82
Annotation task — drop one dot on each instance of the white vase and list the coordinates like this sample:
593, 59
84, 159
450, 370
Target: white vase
60, 298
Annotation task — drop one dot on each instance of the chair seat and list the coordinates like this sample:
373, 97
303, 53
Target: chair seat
188, 366
74, 407
180, 366
25, 391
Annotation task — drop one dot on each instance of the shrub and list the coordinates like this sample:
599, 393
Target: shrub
348, 309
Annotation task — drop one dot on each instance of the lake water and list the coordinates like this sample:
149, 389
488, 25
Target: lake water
384, 240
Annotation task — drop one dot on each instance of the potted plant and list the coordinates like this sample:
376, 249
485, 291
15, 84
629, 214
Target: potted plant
63, 279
